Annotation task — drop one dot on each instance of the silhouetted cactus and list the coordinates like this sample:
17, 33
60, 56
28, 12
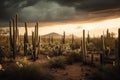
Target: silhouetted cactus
84, 47
14, 39
39, 45
17, 32
81, 52
107, 33
14, 36
102, 51
35, 42
11, 35
118, 55
63, 38
49, 40
33, 46
88, 38
72, 39
25, 40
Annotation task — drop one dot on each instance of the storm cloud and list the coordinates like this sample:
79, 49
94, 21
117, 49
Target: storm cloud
46, 11
58, 10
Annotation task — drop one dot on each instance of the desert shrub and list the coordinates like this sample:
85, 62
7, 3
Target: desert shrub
29, 72
58, 62
106, 73
4, 54
74, 57
76, 45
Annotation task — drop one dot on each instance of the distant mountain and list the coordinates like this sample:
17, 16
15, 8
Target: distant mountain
56, 35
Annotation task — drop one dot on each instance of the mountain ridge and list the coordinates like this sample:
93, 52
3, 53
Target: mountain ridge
57, 35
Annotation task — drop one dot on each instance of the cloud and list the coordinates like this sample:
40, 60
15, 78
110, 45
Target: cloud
46, 11
58, 10
90, 4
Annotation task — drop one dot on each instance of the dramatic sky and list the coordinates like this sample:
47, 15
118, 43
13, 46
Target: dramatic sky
59, 11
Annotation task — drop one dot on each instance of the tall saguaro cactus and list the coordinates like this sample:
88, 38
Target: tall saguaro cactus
81, 52
118, 55
14, 39
26, 32
35, 42
16, 30
13, 34
102, 50
25, 40
84, 47
10, 35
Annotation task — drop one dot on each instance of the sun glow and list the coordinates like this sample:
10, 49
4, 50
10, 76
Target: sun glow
95, 28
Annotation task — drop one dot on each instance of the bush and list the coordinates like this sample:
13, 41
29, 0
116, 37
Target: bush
107, 73
74, 57
58, 62
29, 72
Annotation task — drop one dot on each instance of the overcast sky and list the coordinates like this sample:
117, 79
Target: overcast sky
58, 10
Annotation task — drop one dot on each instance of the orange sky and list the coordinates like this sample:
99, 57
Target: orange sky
95, 28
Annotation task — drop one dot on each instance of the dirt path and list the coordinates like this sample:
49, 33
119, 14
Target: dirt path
72, 72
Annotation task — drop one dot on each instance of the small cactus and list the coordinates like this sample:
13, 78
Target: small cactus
88, 37
63, 38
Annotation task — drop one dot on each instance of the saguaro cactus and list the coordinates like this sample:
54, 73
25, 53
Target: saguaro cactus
16, 31
84, 47
81, 50
25, 40
88, 37
107, 33
102, 50
14, 40
39, 45
49, 40
72, 39
103, 41
72, 42
63, 39
33, 46
118, 55
11, 35
35, 42
26, 32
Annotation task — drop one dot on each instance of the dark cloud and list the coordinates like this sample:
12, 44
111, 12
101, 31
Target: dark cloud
46, 11
58, 10
90, 4
96, 5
